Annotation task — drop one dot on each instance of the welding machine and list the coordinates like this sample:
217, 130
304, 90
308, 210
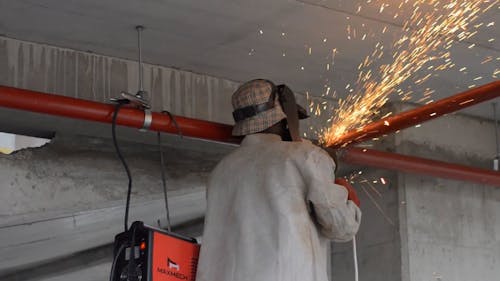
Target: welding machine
145, 253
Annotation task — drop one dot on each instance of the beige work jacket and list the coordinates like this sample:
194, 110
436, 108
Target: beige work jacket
272, 207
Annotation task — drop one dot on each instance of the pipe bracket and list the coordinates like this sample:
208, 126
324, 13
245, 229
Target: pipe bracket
148, 120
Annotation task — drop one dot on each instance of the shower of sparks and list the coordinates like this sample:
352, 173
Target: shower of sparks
387, 218
496, 73
433, 27
383, 181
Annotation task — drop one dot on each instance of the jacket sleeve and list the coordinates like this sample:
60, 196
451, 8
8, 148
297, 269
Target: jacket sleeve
337, 218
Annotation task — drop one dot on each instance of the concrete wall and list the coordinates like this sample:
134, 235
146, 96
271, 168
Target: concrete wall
79, 173
450, 229
73, 189
69, 195
89, 76
96, 77
453, 230
378, 239
443, 229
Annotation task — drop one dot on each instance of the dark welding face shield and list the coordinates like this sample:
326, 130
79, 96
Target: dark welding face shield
288, 104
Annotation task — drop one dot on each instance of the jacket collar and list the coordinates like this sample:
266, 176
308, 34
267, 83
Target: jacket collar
260, 138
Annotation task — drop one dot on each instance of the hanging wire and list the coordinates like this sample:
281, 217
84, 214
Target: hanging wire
164, 181
163, 177
355, 255
118, 106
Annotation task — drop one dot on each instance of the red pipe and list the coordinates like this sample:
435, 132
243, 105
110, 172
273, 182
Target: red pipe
421, 114
131, 117
101, 112
416, 165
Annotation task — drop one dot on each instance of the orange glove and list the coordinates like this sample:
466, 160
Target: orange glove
351, 193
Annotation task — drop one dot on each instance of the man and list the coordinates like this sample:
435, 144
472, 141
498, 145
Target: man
272, 203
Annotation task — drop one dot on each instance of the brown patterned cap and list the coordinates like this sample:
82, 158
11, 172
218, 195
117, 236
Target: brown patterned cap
256, 92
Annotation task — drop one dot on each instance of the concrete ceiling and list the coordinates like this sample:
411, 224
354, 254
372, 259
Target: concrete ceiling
240, 40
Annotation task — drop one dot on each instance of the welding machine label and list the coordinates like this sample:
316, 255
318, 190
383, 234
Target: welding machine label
174, 259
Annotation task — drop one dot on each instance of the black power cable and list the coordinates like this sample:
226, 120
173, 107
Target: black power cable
163, 179
120, 156
132, 274
113, 265
131, 268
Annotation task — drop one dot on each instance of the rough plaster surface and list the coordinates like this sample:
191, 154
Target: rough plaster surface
74, 172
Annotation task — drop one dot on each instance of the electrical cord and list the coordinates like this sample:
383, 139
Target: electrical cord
179, 131
122, 159
164, 181
113, 265
355, 254
132, 267
163, 178
132, 274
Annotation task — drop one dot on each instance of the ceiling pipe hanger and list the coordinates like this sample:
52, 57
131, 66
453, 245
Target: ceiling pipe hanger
140, 99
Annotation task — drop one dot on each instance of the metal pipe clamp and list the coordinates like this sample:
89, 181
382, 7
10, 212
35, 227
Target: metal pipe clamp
148, 119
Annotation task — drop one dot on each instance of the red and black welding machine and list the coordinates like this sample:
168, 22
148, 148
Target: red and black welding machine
145, 253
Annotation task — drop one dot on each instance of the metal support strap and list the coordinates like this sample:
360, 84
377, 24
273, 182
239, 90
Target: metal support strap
148, 119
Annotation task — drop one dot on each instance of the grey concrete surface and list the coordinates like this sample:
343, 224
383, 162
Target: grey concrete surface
455, 138
95, 77
443, 229
239, 40
452, 234
76, 172
91, 264
378, 239
450, 229
69, 195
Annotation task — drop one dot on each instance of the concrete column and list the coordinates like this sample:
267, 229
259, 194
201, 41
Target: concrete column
451, 228
443, 229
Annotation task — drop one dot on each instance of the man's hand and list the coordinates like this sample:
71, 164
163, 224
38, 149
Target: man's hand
351, 193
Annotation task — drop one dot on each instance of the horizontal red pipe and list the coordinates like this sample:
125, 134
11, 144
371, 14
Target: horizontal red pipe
101, 112
416, 165
421, 114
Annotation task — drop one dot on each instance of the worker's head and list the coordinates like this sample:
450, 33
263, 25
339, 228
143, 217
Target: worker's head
260, 106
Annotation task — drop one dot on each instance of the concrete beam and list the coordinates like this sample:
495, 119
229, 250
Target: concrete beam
29, 242
89, 265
